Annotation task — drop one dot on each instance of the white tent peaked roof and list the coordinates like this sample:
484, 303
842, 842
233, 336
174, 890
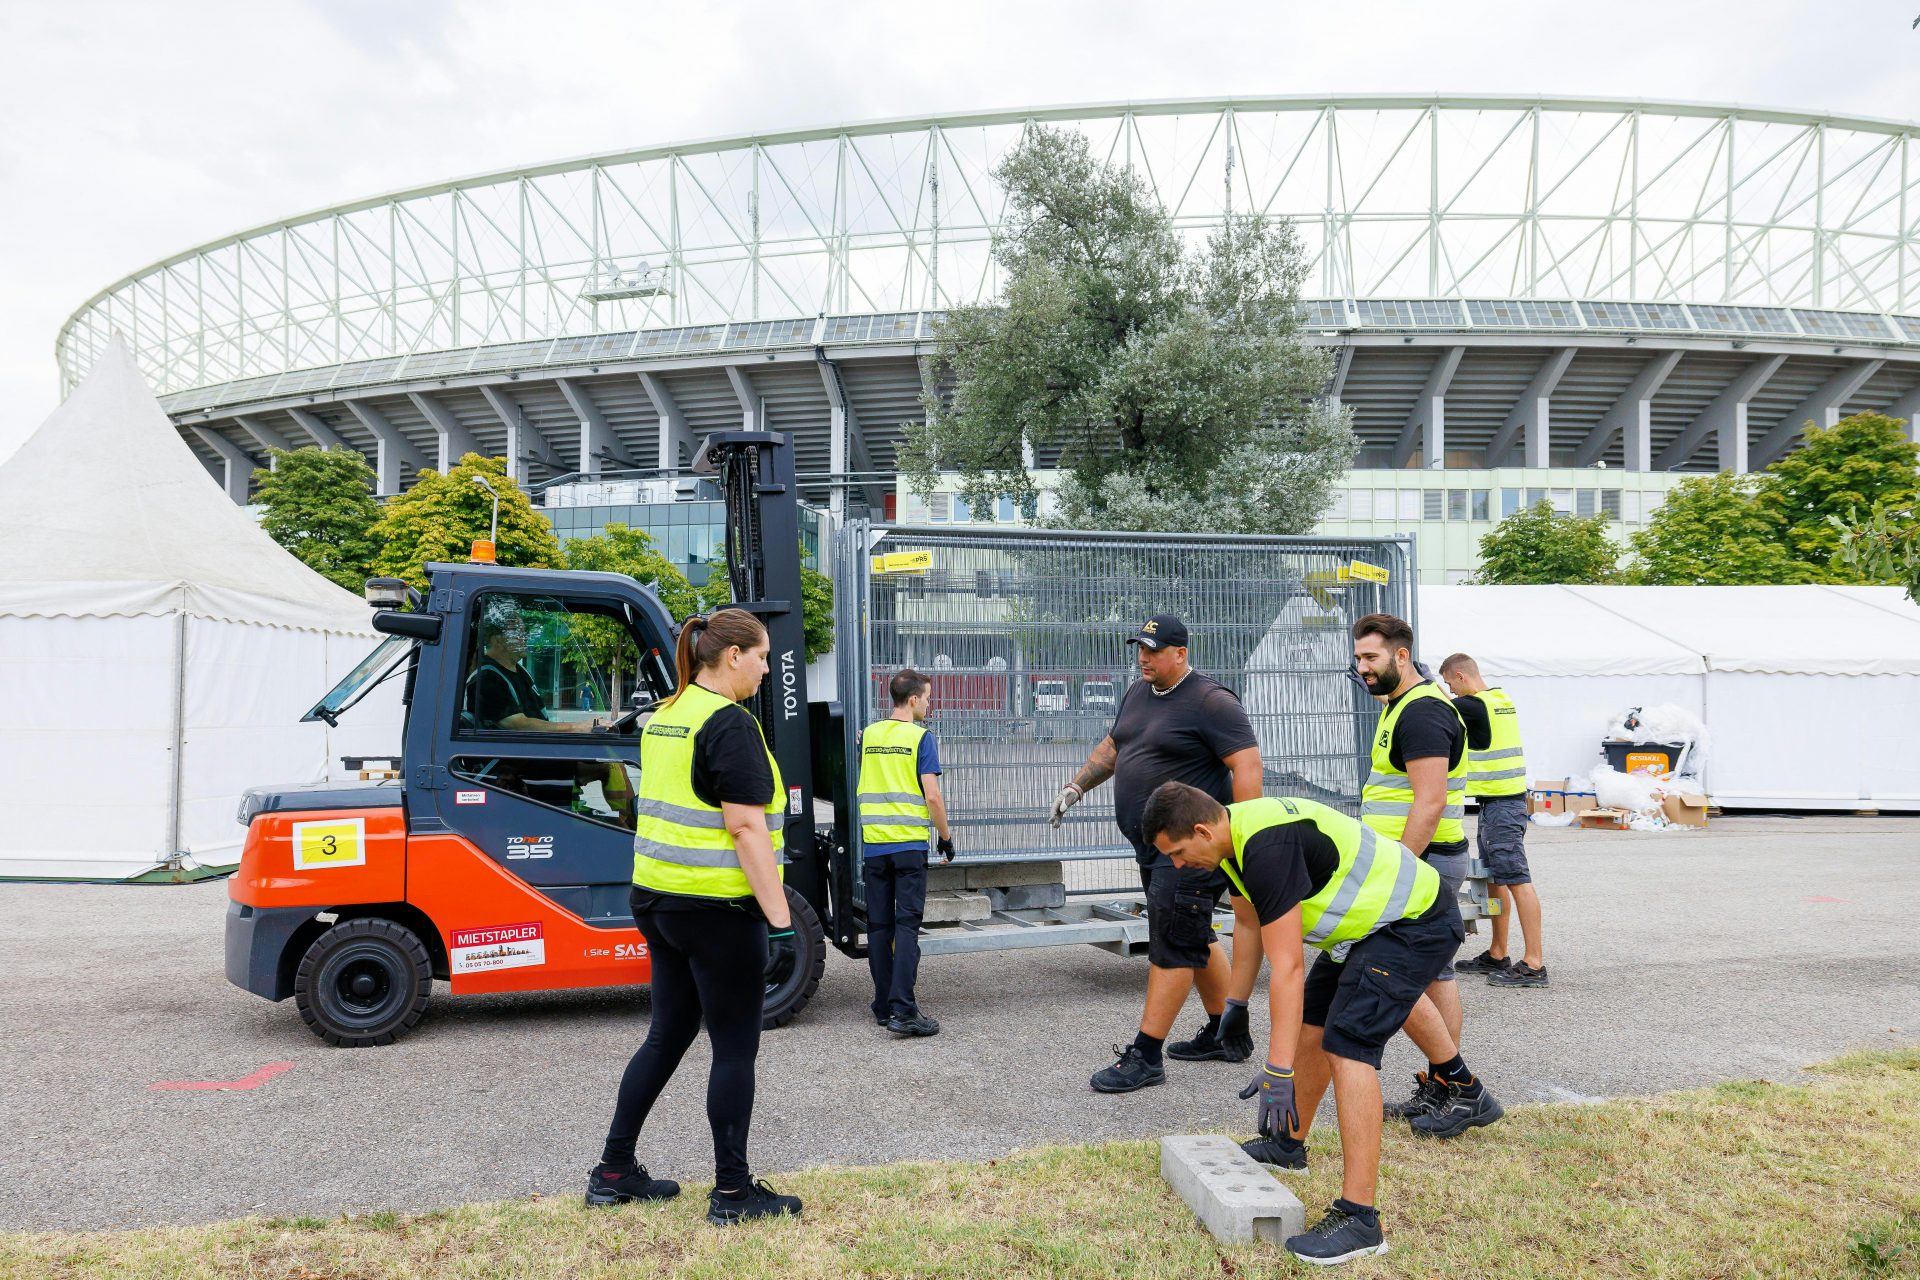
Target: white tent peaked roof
105, 512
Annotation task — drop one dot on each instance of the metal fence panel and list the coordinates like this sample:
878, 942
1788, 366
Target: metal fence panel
1023, 632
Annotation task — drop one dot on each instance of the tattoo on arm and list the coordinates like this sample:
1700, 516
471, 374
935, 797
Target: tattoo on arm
1098, 768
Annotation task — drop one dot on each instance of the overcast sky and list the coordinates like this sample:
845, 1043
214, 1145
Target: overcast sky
130, 130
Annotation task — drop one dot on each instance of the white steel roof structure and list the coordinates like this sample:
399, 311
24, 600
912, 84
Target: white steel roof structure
1507, 280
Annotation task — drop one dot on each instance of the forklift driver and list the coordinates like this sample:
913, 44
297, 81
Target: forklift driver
500, 692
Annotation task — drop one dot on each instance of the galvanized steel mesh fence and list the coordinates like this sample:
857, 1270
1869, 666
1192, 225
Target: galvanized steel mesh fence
1023, 633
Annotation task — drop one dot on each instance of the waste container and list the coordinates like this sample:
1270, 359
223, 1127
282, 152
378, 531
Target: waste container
1657, 758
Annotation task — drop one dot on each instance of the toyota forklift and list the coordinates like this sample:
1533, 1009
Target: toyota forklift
500, 856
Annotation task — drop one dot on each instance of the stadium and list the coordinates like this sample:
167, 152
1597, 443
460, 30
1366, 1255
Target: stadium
1573, 299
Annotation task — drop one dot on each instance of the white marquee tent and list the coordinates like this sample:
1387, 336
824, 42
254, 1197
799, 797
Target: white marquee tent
157, 649
1810, 695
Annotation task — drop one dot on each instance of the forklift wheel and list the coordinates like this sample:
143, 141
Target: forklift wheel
363, 982
791, 996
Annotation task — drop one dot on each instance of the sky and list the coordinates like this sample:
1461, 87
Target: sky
131, 130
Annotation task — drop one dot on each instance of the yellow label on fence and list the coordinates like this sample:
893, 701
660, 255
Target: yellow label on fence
334, 842
903, 562
1371, 573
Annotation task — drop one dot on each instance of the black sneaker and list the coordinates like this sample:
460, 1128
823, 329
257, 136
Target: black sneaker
610, 1184
918, 1025
1283, 1154
1457, 1113
1518, 975
1132, 1071
1483, 963
1339, 1237
1204, 1047
1427, 1094
759, 1201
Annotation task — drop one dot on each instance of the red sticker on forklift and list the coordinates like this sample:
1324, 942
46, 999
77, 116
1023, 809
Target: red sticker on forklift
469, 797
502, 946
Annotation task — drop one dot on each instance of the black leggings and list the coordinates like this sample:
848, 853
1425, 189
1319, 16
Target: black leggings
709, 964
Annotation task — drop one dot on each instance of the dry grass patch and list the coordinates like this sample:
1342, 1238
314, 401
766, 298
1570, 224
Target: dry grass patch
1749, 1179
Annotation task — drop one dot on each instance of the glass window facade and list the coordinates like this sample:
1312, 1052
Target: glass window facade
690, 534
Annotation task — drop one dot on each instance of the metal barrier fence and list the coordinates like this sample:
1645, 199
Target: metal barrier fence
1023, 632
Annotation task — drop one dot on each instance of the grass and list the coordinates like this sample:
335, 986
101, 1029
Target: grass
1750, 1179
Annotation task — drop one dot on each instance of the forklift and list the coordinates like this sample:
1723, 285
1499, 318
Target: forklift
500, 856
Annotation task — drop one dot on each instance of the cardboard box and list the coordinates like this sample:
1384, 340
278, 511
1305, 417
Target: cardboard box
1685, 809
1597, 819
1551, 796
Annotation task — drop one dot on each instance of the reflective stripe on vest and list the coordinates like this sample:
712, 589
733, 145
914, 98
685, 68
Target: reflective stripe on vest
893, 808
1387, 799
1376, 883
680, 842
1500, 770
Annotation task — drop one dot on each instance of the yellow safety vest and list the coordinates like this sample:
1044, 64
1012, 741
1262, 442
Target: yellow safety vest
1376, 883
893, 805
680, 842
1500, 770
1387, 799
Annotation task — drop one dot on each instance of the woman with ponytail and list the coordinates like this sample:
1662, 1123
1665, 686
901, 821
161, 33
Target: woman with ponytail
709, 899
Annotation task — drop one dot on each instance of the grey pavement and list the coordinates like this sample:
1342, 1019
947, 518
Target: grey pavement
1750, 949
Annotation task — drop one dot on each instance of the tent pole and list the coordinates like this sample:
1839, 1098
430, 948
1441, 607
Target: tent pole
175, 854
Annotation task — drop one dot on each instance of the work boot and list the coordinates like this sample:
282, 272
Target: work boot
1427, 1094
1132, 1071
1518, 975
757, 1201
1285, 1154
1232, 1041
1455, 1113
1339, 1237
1485, 962
918, 1025
611, 1184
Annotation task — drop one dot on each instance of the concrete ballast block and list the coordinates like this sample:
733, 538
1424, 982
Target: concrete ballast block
941, 879
1027, 897
1234, 1198
951, 908
1008, 875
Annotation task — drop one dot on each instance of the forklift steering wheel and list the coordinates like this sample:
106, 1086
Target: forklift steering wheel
625, 722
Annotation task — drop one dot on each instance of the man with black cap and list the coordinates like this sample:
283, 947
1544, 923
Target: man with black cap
1176, 725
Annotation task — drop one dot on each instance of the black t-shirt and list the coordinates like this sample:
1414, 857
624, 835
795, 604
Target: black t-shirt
1428, 727
1479, 723
1177, 736
495, 693
729, 767
1284, 866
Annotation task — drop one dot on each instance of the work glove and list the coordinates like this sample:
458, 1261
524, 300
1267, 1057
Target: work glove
1279, 1117
945, 848
1070, 795
783, 953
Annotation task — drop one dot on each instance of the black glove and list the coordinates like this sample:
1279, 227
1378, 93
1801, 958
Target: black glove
1279, 1116
945, 848
783, 953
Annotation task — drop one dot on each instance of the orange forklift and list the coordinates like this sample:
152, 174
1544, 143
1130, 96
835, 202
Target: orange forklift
499, 858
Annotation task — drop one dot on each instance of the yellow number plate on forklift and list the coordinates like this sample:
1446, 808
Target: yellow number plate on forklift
337, 842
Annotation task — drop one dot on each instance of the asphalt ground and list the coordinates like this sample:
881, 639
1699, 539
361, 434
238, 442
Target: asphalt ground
1750, 949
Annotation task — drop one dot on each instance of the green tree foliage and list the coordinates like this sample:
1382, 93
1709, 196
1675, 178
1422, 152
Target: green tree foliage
318, 504
816, 603
1862, 463
442, 515
1537, 545
1714, 531
619, 549
1884, 546
1172, 380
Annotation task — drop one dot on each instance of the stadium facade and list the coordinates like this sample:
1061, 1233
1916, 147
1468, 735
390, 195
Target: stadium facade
1582, 300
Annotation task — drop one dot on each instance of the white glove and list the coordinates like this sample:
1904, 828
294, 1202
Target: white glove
1070, 795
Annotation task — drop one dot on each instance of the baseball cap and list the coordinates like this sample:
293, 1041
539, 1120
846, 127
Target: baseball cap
1160, 631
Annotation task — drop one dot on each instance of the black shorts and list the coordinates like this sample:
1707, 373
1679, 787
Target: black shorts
1359, 1004
1180, 913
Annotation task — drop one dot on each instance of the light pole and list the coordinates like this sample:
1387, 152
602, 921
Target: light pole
493, 533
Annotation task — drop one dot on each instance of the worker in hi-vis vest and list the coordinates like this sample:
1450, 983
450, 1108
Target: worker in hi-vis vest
708, 896
1384, 926
1497, 782
901, 814
1416, 790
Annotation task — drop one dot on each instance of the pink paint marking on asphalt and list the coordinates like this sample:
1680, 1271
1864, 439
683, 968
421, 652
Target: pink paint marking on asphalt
1822, 898
253, 1081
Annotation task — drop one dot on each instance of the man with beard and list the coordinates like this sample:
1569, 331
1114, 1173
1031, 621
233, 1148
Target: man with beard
1416, 794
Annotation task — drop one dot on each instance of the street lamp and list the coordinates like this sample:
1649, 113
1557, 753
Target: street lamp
484, 553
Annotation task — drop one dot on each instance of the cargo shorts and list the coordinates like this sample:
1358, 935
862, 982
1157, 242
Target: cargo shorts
1180, 907
1361, 1003
1452, 862
1502, 835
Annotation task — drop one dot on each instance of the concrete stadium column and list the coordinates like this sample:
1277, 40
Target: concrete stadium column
455, 441
749, 399
1907, 407
1337, 387
525, 441
1725, 418
1822, 408
264, 436
848, 445
393, 450
1426, 424
597, 440
1632, 417
1531, 414
237, 465
675, 436
319, 432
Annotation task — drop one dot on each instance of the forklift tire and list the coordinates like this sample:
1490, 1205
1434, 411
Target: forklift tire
791, 996
363, 982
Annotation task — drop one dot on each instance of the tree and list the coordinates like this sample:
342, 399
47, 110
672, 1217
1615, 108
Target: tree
619, 549
442, 515
1714, 531
1538, 545
1862, 463
319, 505
1882, 547
816, 603
1172, 382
